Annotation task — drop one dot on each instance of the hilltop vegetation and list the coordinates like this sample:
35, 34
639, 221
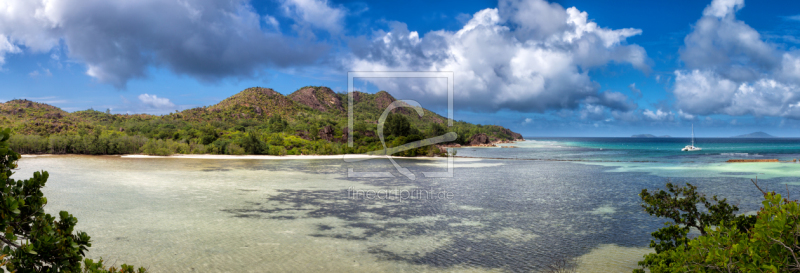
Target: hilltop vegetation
312, 120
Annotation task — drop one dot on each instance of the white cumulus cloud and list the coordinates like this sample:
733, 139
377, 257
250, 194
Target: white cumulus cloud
723, 8
658, 115
315, 13
6, 47
732, 70
154, 101
119, 40
685, 115
527, 56
527, 121
593, 112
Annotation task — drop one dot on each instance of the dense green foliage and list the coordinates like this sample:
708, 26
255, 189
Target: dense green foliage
32, 240
255, 121
397, 125
766, 242
682, 206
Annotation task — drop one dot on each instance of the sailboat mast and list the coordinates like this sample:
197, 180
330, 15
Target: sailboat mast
692, 134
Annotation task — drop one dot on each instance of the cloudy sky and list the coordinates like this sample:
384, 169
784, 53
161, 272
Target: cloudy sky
560, 68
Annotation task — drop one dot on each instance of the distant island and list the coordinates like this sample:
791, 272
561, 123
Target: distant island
649, 136
755, 135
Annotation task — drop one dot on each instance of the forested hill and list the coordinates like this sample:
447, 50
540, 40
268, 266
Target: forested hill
312, 120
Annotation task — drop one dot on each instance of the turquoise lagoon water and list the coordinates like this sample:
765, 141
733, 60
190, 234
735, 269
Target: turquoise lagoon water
649, 149
519, 213
660, 156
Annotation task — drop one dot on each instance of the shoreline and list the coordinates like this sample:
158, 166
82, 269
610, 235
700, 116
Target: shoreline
260, 157
287, 157
277, 157
493, 144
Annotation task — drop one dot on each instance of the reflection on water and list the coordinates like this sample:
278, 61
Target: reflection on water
299, 215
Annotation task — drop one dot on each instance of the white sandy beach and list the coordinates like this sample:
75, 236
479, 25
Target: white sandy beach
276, 157
354, 157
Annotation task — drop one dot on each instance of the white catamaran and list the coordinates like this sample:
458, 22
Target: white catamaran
691, 147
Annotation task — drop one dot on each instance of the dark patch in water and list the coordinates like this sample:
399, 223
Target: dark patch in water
216, 170
283, 217
340, 236
548, 201
247, 216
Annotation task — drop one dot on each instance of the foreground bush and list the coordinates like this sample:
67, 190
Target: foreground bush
32, 240
766, 242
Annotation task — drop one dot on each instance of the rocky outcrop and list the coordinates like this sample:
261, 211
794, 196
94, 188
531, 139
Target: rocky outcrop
319, 98
443, 147
479, 139
265, 91
514, 136
383, 99
326, 133
357, 96
302, 134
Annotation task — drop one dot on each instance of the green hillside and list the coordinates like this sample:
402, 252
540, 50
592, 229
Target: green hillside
312, 120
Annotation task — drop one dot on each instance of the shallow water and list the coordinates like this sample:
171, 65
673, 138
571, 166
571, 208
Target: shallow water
208, 215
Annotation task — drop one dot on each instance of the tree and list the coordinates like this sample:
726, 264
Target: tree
436, 130
397, 125
32, 240
683, 206
277, 124
772, 244
209, 134
252, 144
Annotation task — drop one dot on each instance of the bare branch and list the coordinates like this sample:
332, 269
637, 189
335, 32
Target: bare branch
8, 242
759, 188
796, 262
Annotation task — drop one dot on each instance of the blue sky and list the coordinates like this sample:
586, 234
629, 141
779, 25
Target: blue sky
561, 68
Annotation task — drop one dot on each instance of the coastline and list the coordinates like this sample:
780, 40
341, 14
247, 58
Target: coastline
292, 157
278, 157
491, 144
259, 157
